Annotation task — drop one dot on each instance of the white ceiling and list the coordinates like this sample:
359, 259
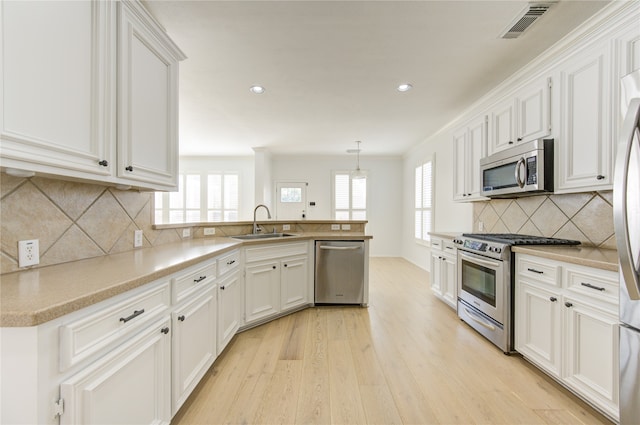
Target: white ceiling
331, 69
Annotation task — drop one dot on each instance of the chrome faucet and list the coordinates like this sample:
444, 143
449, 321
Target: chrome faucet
255, 226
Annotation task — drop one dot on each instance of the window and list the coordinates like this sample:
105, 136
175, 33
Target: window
423, 201
200, 197
349, 197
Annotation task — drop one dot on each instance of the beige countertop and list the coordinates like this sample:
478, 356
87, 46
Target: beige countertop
36, 296
445, 235
605, 259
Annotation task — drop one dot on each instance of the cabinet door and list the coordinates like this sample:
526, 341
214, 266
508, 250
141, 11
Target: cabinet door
147, 103
502, 126
293, 285
262, 291
57, 104
537, 327
436, 273
592, 354
534, 109
230, 309
586, 148
475, 150
194, 344
129, 385
449, 280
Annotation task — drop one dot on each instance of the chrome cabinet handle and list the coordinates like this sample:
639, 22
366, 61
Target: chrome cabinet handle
588, 285
339, 248
135, 314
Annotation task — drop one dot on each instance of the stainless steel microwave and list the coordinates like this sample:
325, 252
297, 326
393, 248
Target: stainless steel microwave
524, 169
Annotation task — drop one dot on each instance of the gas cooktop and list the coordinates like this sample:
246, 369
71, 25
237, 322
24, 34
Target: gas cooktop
516, 239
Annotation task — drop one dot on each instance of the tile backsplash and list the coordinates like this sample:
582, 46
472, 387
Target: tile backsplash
587, 217
72, 220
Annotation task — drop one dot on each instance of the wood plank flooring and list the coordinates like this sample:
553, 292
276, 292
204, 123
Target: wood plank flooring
406, 359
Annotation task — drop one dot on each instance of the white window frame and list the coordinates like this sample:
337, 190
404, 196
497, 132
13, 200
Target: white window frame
425, 238
204, 210
350, 209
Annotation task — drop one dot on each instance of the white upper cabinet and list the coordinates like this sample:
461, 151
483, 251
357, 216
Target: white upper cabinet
57, 102
63, 67
585, 151
147, 100
522, 118
470, 144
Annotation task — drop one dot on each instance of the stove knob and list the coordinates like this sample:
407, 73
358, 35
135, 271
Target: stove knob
498, 250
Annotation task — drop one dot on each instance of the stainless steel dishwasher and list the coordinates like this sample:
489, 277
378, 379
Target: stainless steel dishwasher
339, 277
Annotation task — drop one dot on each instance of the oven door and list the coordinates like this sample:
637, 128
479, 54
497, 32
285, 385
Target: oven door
482, 283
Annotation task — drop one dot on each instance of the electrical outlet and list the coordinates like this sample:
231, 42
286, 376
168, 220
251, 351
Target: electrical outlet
137, 238
335, 227
286, 227
186, 233
28, 253
208, 231
346, 227
481, 226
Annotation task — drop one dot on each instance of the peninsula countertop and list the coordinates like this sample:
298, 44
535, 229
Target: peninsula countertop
35, 296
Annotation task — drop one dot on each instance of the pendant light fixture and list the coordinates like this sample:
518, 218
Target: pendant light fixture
357, 173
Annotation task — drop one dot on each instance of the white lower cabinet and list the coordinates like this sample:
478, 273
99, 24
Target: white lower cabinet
194, 343
129, 385
444, 271
230, 308
276, 279
566, 323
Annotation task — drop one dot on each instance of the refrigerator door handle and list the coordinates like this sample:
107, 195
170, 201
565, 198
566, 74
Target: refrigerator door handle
628, 134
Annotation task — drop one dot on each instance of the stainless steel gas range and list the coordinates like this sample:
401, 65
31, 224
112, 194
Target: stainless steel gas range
486, 282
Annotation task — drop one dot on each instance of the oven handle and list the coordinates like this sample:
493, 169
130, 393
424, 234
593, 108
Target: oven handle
473, 316
480, 261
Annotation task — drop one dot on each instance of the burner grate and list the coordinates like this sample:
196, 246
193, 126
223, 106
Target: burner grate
516, 239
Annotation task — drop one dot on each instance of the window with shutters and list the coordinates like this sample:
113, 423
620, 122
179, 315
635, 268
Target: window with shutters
349, 196
200, 197
423, 201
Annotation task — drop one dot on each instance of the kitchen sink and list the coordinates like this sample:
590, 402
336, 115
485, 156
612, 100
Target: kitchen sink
252, 236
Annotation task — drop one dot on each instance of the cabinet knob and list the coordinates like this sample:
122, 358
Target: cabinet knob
511, 142
274, 267
519, 139
104, 163
568, 304
468, 194
181, 318
553, 299
165, 330
129, 168
600, 177
222, 288
285, 265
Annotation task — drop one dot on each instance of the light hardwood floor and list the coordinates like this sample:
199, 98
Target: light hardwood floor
406, 359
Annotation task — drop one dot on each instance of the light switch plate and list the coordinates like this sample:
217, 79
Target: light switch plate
186, 233
208, 231
286, 227
335, 227
346, 227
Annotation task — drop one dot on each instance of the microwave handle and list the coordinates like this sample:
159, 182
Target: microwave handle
517, 172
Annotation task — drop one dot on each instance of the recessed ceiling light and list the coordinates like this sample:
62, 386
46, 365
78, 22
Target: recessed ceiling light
405, 87
257, 89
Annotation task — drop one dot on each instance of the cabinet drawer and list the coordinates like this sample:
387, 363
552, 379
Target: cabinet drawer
267, 252
228, 262
192, 280
106, 326
596, 284
449, 247
539, 270
437, 244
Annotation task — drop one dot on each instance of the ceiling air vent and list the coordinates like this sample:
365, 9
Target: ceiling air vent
525, 19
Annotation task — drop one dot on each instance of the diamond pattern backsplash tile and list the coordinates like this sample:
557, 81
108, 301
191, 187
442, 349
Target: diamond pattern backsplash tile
587, 217
72, 221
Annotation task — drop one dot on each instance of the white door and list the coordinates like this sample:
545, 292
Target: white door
291, 201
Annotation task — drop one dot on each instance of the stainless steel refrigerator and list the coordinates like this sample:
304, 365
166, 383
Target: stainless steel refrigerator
626, 215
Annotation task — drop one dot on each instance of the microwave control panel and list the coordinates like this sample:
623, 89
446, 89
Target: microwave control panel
532, 174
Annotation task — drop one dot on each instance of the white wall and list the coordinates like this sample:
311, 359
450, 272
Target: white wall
449, 216
384, 192
243, 165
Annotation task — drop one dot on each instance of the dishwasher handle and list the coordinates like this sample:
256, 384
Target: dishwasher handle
340, 248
